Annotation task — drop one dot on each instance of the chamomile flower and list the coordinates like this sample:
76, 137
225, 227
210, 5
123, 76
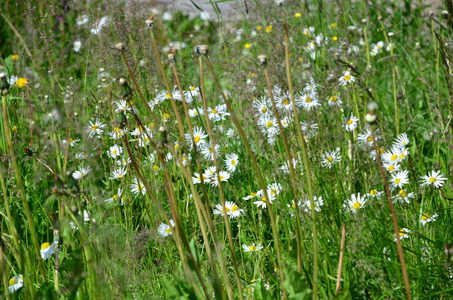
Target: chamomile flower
356, 202
403, 196
251, 196
81, 173
115, 197
208, 151
396, 154
252, 248
165, 230
122, 106
268, 125
231, 162
391, 166
185, 158
386, 252
374, 193
191, 94
346, 78
334, 100
115, 151
118, 173
328, 159
285, 168
98, 25
283, 102
198, 178
309, 129
262, 202
366, 139
123, 161
308, 101
231, 209
137, 187
402, 140
77, 45
116, 133
403, 233
275, 188
82, 19
434, 178
262, 105
351, 123
47, 249
82, 155
95, 128
223, 176
16, 283
317, 202
72, 142
399, 179
199, 136
427, 218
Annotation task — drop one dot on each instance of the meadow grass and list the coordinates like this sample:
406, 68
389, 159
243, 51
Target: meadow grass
302, 151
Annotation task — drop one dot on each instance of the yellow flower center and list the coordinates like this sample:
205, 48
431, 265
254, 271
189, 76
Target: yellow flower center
335, 38
168, 230
293, 206
402, 156
269, 124
252, 194
71, 140
12, 281
192, 88
214, 111
166, 116
119, 176
394, 157
264, 109
347, 77
225, 210
356, 205
167, 96
176, 146
403, 193
425, 217
235, 208
333, 98
285, 101
196, 139
233, 162
45, 246
21, 82
402, 232
390, 168
397, 181
252, 248
330, 159
373, 192
155, 168
263, 199
94, 127
114, 152
248, 45
308, 99
297, 15
221, 178
369, 139
432, 179
199, 177
349, 122
115, 197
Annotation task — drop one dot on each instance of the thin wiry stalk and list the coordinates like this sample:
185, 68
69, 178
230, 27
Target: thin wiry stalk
340, 261
261, 181
23, 195
395, 223
305, 160
291, 173
221, 191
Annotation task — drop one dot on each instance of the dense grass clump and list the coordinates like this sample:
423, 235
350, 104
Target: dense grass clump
301, 151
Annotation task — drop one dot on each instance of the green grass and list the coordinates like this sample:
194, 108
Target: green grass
119, 253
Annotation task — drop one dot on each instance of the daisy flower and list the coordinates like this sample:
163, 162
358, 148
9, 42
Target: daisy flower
317, 201
231, 161
193, 112
117, 133
123, 161
403, 196
391, 166
275, 188
268, 125
197, 179
262, 203
433, 179
115, 151
252, 248
207, 151
122, 106
199, 136
16, 283
401, 140
403, 233
427, 218
251, 196
399, 179
283, 102
81, 20
76, 46
47, 249
285, 167
115, 197
164, 229
223, 176
366, 139
118, 173
374, 193
309, 130
356, 202
351, 123
99, 24
396, 154
328, 159
334, 101
137, 187
82, 172
262, 105
95, 128
346, 78
72, 142
307, 101
231, 209
386, 252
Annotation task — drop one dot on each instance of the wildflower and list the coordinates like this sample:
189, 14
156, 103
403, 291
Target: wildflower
262, 202
77, 45
356, 202
167, 16
395, 154
99, 24
386, 251
115, 197
402, 140
16, 283
391, 166
351, 123
269, 29
433, 179
81, 20
15, 56
95, 128
346, 78
262, 105
275, 188
285, 167
334, 101
72, 142
403, 233
198, 136
21, 82
82, 172
117, 133
137, 187
208, 151
283, 102
366, 139
247, 46
165, 229
12, 80
198, 178
374, 193
231, 209
115, 151
403, 196
118, 173
308, 101
399, 179
309, 130
317, 202
427, 218
328, 159
268, 125
223, 176
251, 196
252, 248
231, 161
82, 155
48, 249
297, 15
